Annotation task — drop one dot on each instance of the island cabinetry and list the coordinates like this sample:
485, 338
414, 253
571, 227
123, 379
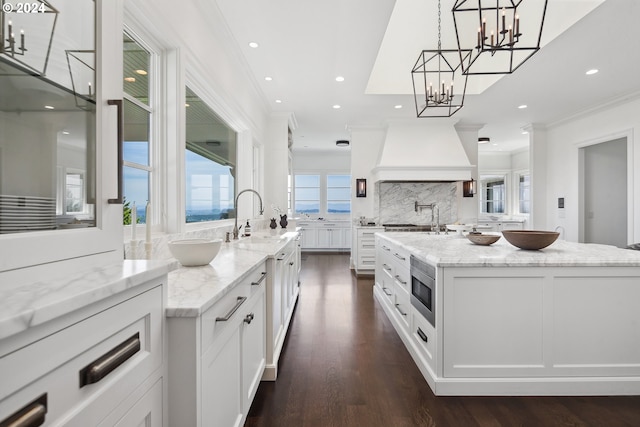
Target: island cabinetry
424, 339
501, 225
393, 282
99, 365
363, 254
216, 360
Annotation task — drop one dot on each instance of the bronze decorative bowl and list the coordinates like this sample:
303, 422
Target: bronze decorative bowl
483, 239
531, 240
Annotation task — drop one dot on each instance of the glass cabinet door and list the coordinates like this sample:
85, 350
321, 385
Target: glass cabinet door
53, 120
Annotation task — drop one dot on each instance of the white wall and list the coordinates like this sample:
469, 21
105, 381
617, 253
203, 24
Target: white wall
564, 140
366, 144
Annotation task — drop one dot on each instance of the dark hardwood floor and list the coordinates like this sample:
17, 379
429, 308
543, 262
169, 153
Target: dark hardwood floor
344, 365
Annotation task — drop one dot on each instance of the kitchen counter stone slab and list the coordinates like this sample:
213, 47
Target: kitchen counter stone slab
32, 304
453, 250
193, 290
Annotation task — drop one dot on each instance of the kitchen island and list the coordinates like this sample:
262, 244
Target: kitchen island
560, 321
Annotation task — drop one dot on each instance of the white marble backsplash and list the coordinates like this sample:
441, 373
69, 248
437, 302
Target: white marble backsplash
396, 202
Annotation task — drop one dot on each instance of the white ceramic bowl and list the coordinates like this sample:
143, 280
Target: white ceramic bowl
194, 252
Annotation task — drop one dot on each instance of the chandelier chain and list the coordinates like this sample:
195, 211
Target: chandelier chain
439, 27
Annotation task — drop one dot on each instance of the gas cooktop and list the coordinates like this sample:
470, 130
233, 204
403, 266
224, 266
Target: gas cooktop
406, 227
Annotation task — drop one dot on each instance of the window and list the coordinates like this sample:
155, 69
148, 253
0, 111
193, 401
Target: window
322, 194
138, 169
493, 194
307, 194
74, 193
338, 193
524, 193
210, 163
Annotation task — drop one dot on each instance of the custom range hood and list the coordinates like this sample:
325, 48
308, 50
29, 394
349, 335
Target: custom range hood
422, 151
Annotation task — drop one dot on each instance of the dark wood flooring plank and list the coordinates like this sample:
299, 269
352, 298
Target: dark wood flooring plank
344, 365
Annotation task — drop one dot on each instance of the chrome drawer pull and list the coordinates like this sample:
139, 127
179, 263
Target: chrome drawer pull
235, 308
261, 279
386, 267
105, 364
280, 259
401, 312
422, 335
399, 256
248, 318
400, 280
31, 415
385, 291
386, 248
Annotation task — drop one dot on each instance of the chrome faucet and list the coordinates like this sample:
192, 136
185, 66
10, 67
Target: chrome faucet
435, 215
235, 226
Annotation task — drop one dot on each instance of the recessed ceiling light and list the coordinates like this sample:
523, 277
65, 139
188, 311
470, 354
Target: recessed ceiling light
278, 101
591, 72
523, 106
397, 107
130, 79
65, 132
268, 78
483, 139
524, 132
336, 107
339, 79
253, 45
49, 107
141, 72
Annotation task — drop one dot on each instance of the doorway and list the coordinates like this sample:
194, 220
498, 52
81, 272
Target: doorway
604, 193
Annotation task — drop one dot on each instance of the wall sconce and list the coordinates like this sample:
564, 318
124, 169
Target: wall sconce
361, 187
468, 188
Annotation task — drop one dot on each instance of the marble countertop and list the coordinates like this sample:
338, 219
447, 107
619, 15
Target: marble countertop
193, 290
453, 250
32, 304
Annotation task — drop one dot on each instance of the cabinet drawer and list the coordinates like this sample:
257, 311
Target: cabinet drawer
402, 306
229, 307
128, 334
424, 336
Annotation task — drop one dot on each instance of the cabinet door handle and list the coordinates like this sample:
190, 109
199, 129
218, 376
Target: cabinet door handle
263, 275
399, 256
248, 318
386, 248
385, 291
401, 312
235, 308
31, 415
386, 267
118, 103
422, 335
105, 364
280, 259
291, 263
397, 277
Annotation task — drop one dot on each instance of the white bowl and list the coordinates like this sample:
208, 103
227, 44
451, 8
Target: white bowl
194, 252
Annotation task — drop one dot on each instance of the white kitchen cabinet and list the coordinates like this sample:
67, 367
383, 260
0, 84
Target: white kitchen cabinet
282, 294
101, 365
56, 251
501, 225
363, 254
325, 235
309, 237
216, 359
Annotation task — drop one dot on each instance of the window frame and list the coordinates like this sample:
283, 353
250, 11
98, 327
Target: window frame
482, 199
153, 109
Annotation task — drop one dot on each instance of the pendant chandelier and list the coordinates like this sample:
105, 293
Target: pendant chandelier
433, 76
501, 34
